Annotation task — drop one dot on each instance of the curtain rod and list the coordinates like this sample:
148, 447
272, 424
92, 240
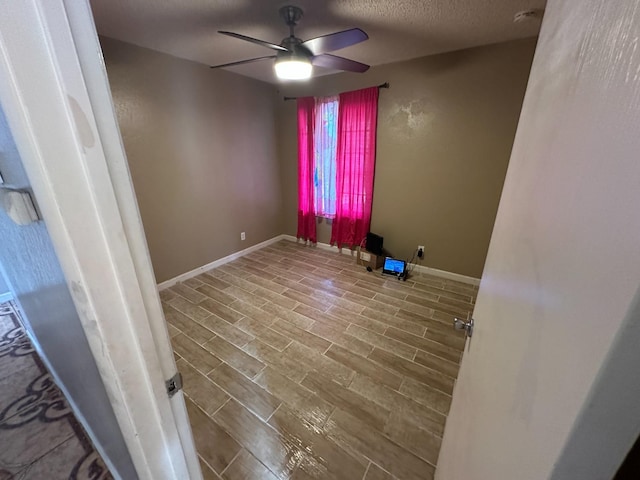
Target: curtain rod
382, 85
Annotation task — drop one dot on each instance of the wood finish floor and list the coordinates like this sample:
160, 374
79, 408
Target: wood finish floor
298, 363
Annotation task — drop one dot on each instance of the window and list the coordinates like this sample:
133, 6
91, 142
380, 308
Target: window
325, 143
336, 163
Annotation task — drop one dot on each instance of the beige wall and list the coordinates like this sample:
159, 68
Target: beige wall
445, 131
201, 146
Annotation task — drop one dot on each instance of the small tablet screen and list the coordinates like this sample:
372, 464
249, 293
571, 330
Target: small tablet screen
393, 266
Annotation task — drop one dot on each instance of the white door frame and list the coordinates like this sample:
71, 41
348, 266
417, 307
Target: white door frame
55, 93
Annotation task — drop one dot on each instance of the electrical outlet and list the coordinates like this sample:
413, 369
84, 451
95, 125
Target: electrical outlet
420, 251
242, 236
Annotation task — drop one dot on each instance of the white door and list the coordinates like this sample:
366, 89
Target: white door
54, 90
563, 266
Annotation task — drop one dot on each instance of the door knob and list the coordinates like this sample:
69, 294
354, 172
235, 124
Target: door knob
462, 325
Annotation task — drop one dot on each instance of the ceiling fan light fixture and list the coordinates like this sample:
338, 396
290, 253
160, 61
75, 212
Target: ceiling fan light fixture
295, 58
293, 68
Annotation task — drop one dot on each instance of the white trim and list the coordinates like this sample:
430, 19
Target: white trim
6, 297
419, 268
322, 246
99, 92
217, 263
447, 275
91, 214
77, 412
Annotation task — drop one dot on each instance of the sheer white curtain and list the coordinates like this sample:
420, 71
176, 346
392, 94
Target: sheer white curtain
325, 141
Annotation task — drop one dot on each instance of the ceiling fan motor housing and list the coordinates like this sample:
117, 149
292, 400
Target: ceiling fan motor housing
291, 15
295, 49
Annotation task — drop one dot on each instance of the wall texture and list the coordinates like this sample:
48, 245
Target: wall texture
201, 146
445, 131
4, 288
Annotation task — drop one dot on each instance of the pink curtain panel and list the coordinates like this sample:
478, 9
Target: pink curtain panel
356, 159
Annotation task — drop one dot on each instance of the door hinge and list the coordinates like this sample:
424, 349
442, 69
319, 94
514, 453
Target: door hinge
462, 325
174, 384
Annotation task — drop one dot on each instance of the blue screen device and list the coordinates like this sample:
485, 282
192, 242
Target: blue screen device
395, 267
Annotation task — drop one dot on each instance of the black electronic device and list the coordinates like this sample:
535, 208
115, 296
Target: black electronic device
395, 267
373, 243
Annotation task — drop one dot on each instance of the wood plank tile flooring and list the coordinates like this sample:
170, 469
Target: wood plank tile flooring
300, 364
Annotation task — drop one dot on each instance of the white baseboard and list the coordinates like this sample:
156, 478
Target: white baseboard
63, 388
216, 263
5, 297
419, 268
323, 246
447, 275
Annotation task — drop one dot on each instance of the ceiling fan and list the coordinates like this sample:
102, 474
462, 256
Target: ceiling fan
294, 58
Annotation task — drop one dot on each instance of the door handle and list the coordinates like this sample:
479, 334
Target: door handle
462, 325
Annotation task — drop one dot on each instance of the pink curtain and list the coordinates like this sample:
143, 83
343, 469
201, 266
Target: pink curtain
306, 208
356, 158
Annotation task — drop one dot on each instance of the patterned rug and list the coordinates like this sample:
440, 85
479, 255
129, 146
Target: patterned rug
39, 435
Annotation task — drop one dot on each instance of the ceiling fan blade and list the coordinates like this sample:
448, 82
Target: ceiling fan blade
335, 41
242, 62
339, 63
272, 46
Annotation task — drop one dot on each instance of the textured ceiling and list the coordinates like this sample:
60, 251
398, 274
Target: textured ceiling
398, 30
